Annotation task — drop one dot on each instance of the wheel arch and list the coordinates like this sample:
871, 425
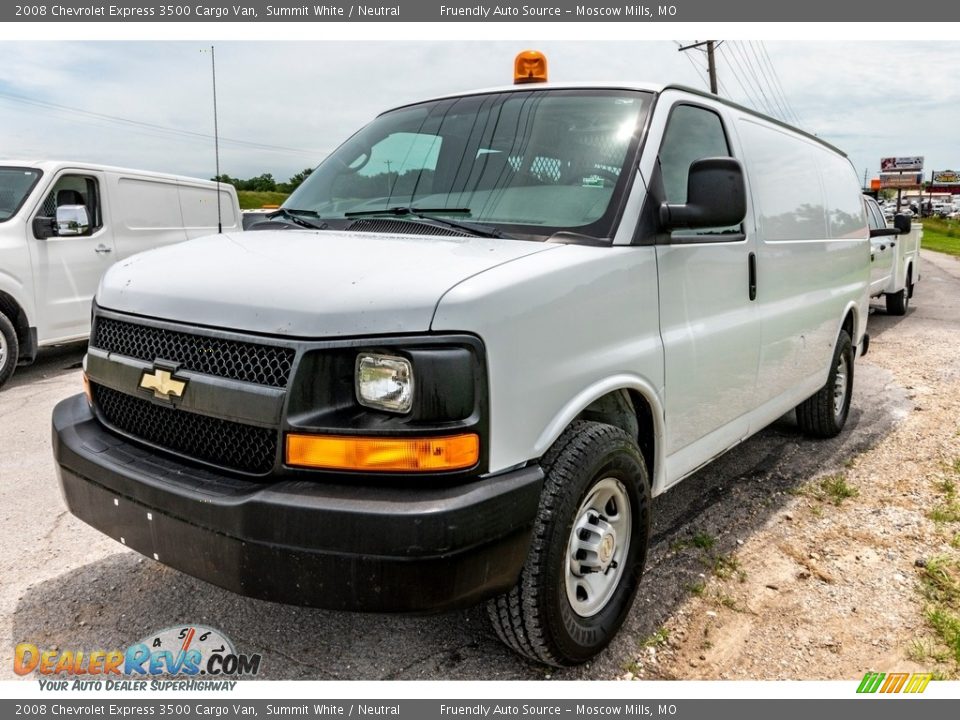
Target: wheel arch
17, 314
625, 401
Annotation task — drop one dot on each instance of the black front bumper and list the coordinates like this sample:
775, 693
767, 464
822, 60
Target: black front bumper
340, 547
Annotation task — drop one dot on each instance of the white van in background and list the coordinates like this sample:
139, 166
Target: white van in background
63, 224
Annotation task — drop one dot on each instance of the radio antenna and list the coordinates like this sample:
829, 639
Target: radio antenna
216, 135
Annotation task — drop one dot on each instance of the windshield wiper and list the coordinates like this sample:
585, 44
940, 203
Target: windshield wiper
297, 216
426, 214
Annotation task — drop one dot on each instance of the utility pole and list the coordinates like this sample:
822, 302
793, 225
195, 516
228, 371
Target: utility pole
216, 135
711, 60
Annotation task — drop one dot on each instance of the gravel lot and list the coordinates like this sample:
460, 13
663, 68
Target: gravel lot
67, 586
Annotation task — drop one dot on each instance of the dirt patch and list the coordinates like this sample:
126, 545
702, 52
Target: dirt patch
839, 580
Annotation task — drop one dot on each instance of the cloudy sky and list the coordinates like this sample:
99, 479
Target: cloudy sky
284, 105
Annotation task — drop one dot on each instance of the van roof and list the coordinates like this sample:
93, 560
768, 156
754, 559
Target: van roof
655, 88
49, 166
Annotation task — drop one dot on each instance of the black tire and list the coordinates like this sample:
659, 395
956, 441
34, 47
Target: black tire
536, 618
9, 349
819, 416
897, 302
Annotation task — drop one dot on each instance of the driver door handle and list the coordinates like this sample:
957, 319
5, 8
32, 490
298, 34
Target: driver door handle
101, 248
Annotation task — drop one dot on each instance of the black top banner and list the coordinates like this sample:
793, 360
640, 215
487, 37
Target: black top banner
464, 11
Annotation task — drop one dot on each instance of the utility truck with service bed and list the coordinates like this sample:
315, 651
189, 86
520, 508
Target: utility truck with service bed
62, 224
459, 361
894, 257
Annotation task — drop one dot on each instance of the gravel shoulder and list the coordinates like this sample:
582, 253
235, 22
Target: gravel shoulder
833, 586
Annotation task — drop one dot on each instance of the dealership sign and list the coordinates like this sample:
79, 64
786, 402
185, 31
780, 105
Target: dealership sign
896, 164
901, 180
946, 177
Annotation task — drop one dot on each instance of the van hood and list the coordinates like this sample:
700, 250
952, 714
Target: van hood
303, 283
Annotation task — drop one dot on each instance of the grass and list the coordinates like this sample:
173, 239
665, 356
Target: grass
941, 588
942, 235
658, 639
947, 511
726, 566
251, 199
833, 489
700, 540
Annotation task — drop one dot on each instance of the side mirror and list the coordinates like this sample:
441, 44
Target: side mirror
901, 222
72, 220
716, 197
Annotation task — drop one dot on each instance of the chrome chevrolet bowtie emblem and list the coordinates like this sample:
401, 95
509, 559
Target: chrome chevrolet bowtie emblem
164, 386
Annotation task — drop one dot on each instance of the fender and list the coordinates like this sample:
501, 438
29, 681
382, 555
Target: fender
598, 389
12, 287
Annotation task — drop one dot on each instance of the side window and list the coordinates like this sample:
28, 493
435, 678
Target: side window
693, 133
74, 190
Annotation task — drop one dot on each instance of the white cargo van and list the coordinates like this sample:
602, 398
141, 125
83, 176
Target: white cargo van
894, 257
62, 224
460, 361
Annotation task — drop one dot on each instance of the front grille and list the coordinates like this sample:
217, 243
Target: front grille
219, 442
233, 359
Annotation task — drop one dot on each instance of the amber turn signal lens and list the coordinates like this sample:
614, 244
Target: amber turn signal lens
530, 66
376, 454
86, 388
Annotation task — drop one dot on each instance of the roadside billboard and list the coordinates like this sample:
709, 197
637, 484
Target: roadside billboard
946, 177
896, 164
901, 180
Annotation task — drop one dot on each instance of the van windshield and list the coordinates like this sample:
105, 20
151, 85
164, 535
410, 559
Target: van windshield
532, 163
15, 184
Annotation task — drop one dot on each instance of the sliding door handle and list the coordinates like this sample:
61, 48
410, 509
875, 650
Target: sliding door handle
752, 265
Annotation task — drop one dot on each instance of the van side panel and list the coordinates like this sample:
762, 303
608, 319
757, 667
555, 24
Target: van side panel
199, 206
813, 259
555, 325
147, 213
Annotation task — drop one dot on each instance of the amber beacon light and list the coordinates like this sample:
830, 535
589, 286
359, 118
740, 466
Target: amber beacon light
382, 454
530, 66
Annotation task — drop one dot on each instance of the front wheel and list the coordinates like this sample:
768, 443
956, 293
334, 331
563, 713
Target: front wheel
588, 549
9, 349
825, 414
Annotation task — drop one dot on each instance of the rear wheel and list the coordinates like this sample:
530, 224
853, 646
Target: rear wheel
824, 414
588, 549
9, 349
897, 302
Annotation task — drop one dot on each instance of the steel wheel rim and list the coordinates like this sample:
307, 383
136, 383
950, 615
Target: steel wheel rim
3, 351
598, 546
840, 386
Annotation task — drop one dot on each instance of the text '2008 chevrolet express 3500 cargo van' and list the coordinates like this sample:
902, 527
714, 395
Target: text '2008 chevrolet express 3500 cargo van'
460, 361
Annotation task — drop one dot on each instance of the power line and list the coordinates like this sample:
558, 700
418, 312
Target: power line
711, 61
769, 82
139, 124
750, 75
737, 76
776, 77
701, 72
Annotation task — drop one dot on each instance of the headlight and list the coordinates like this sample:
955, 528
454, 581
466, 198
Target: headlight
385, 382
